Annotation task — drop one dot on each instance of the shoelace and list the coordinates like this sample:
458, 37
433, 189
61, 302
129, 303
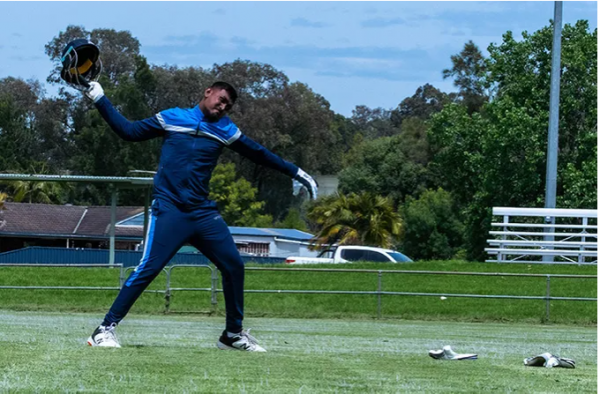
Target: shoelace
109, 332
250, 338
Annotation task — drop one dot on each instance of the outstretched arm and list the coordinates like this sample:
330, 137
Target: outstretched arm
141, 130
261, 155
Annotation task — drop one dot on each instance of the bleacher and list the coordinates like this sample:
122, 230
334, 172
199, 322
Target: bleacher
542, 235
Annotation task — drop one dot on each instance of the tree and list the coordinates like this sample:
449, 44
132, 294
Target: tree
179, 87
469, 69
426, 101
94, 149
236, 199
432, 228
356, 219
289, 119
389, 166
498, 157
294, 220
32, 128
373, 123
44, 192
118, 51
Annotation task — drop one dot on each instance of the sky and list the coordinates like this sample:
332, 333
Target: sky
352, 53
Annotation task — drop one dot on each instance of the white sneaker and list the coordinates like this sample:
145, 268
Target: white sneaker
104, 336
242, 341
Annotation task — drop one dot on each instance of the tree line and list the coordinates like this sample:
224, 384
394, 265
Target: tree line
422, 176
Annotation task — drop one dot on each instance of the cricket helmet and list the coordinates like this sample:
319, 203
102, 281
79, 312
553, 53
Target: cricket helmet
81, 63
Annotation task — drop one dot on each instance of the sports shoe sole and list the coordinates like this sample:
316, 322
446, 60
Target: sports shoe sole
223, 346
90, 342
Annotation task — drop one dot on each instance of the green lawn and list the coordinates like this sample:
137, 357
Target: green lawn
46, 352
342, 306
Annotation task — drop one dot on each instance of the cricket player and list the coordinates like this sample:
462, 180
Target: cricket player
193, 139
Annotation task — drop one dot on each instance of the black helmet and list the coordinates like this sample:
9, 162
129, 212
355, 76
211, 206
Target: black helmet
81, 63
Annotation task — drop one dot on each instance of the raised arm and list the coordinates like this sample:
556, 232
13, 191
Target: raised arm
261, 155
140, 130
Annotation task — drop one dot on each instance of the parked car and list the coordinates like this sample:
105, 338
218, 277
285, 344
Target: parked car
350, 254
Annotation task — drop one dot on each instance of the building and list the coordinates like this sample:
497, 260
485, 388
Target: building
70, 226
328, 184
267, 242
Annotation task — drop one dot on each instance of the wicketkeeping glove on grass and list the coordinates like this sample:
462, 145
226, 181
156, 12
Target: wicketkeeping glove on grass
308, 182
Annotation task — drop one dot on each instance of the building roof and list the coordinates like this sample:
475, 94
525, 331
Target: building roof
138, 221
68, 221
271, 232
63, 221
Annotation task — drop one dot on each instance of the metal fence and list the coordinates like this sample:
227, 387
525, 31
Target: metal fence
127, 258
379, 292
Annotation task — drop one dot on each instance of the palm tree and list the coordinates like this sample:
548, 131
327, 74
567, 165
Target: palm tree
358, 219
38, 191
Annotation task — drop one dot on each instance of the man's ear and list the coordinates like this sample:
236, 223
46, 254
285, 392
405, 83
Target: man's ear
207, 92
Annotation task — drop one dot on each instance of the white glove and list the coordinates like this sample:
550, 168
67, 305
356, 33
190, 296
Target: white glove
308, 182
95, 92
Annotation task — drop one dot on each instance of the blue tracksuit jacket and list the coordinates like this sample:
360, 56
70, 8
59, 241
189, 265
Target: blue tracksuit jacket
190, 150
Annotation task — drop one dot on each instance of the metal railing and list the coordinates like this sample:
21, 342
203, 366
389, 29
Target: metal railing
379, 292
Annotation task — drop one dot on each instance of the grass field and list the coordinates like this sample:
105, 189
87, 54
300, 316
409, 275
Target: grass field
327, 305
46, 352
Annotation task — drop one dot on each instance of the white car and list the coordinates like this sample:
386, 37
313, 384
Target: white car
348, 254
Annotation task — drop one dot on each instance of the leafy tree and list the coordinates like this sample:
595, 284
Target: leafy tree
432, 228
118, 51
356, 219
94, 148
14, 137
521, 70
498, 157
236, 199
31, 127
426, 101
469, 69
44, 192
389, 166
287, 118
374, 123
294, 220
179, 87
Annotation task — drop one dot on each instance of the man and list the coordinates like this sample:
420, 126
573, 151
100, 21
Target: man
193, 139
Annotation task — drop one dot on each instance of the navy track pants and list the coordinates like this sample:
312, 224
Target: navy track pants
169, 229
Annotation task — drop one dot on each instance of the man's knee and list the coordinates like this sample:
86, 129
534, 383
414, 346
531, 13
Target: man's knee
233, 266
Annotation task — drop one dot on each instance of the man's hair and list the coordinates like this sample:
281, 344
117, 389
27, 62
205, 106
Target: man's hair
228, 88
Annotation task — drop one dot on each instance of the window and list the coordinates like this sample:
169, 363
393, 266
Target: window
399, 257
254, 248
354, 255
327, 253
377, 257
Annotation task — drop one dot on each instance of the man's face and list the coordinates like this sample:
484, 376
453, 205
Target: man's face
217, 103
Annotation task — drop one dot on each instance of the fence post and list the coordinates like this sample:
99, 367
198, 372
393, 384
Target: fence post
213, 287
500, 256
168, 290
547, 298
379, 275
580, 258
121, 276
